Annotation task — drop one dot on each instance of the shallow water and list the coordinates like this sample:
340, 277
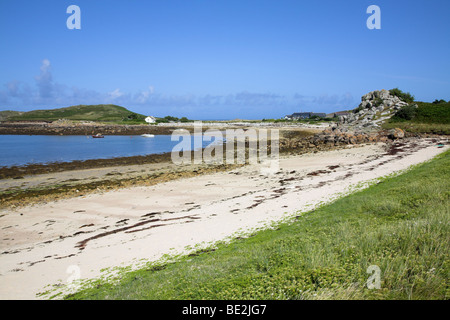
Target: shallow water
24, 149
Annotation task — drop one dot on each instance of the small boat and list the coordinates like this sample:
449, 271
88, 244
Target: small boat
146, 135
98, 135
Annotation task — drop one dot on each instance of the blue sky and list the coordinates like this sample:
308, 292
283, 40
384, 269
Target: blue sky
220, 59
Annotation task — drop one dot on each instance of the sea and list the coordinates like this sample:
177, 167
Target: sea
19, 150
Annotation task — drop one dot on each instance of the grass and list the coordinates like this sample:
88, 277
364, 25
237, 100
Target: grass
101, 112
426, 118
400, 225
5, 115
432, 113
433, 128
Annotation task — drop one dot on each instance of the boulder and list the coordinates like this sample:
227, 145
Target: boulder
396, 133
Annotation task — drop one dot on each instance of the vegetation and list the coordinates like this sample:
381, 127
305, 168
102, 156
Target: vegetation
432, 128
433, 113
168, 119
407, 112
401, 225
405, 96
5, 115
422, 117
100, 112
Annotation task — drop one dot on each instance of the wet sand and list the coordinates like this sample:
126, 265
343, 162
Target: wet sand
131, 225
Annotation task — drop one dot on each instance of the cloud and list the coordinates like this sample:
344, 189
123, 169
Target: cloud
44, 80
16, 92
143, 96
13, 88
50, 94
330, 102
347, 99
115, 94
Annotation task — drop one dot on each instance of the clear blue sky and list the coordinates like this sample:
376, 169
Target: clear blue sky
220, 59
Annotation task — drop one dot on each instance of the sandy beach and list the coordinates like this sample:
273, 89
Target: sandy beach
42, 243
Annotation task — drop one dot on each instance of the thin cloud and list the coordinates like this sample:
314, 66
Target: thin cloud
44, 80
48, 93
115, 94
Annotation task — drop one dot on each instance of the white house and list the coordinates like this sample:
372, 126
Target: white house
150, 119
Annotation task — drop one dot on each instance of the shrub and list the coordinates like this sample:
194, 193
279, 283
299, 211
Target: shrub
405, 96
170, 118
407, 112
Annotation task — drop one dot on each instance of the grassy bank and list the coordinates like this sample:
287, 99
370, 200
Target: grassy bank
432, 128
101, 113
426, 118
400, 225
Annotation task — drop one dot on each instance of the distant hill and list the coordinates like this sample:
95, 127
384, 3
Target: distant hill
5, 115
100, 112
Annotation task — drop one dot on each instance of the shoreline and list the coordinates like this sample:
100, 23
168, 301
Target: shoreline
121, 226
18, 171
34, 183
81, 129
58, 128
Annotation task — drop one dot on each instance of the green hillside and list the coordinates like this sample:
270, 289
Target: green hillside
425, 118
100, 112
5, 115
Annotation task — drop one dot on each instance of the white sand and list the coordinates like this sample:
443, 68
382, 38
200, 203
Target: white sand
40, 243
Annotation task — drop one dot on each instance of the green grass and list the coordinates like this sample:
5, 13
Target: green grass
400, 225
5, 115
101, 112
427, 118
432, 113
434, 128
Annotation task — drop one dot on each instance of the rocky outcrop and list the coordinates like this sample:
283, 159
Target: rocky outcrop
337, 137
362, 125
375, 107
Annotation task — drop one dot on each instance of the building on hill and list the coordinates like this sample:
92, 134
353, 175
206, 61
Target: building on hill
150, 119
337, 114
304, 115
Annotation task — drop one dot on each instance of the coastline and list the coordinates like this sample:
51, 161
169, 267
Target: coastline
110, 213
33, 183
91, 128
127, 223
29, 128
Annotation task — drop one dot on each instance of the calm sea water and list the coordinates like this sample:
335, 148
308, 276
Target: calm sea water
23, 149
